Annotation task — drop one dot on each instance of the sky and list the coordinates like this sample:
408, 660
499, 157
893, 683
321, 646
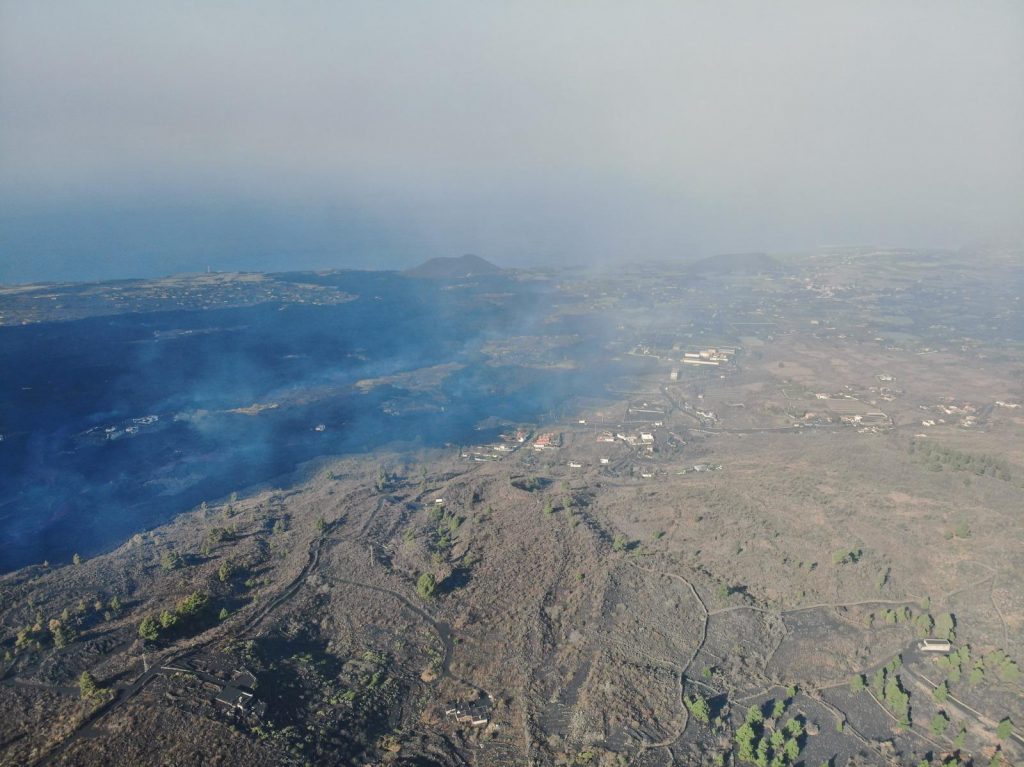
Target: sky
139, 139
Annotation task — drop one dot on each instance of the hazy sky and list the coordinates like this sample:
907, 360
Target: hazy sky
142, 138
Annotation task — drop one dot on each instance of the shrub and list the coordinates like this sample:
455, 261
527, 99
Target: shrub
945, 626
699, 708
149, 629
170, 560
191, 605
844, 556
426, 586
224, 571
87, 686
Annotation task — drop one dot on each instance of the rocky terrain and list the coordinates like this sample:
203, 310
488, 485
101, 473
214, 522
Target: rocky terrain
733, 561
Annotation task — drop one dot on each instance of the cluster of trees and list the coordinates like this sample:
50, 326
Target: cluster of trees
942, 625
89, 689
894, 616
766, 744
939, 457
216, 535
888, 688
955, 663
186, 612
962, 661
1005, 667
446, 528
62, 634
62, 630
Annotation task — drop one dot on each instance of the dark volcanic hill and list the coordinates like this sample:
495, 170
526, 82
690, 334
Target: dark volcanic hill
447, 268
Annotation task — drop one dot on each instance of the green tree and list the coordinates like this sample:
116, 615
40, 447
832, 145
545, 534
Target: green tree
168, 619
857, 683
426, 586
792, 749
923, 624
898, 700
878, 683
1004, 729
754, 715
945, 626
170, 560
192, 605
763, 749
961, 736
939, 724
321, 525
745, 742
87, 686
941, 693
149, 628
223, 613
224, 571
778, 708
62, 635
698, 706
620, 543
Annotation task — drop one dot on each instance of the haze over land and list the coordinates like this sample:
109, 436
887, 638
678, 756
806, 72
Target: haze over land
701, 514
140, 141
575, 384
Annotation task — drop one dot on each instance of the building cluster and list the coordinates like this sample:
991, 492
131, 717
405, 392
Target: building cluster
964, 414
714, 355
549, 440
